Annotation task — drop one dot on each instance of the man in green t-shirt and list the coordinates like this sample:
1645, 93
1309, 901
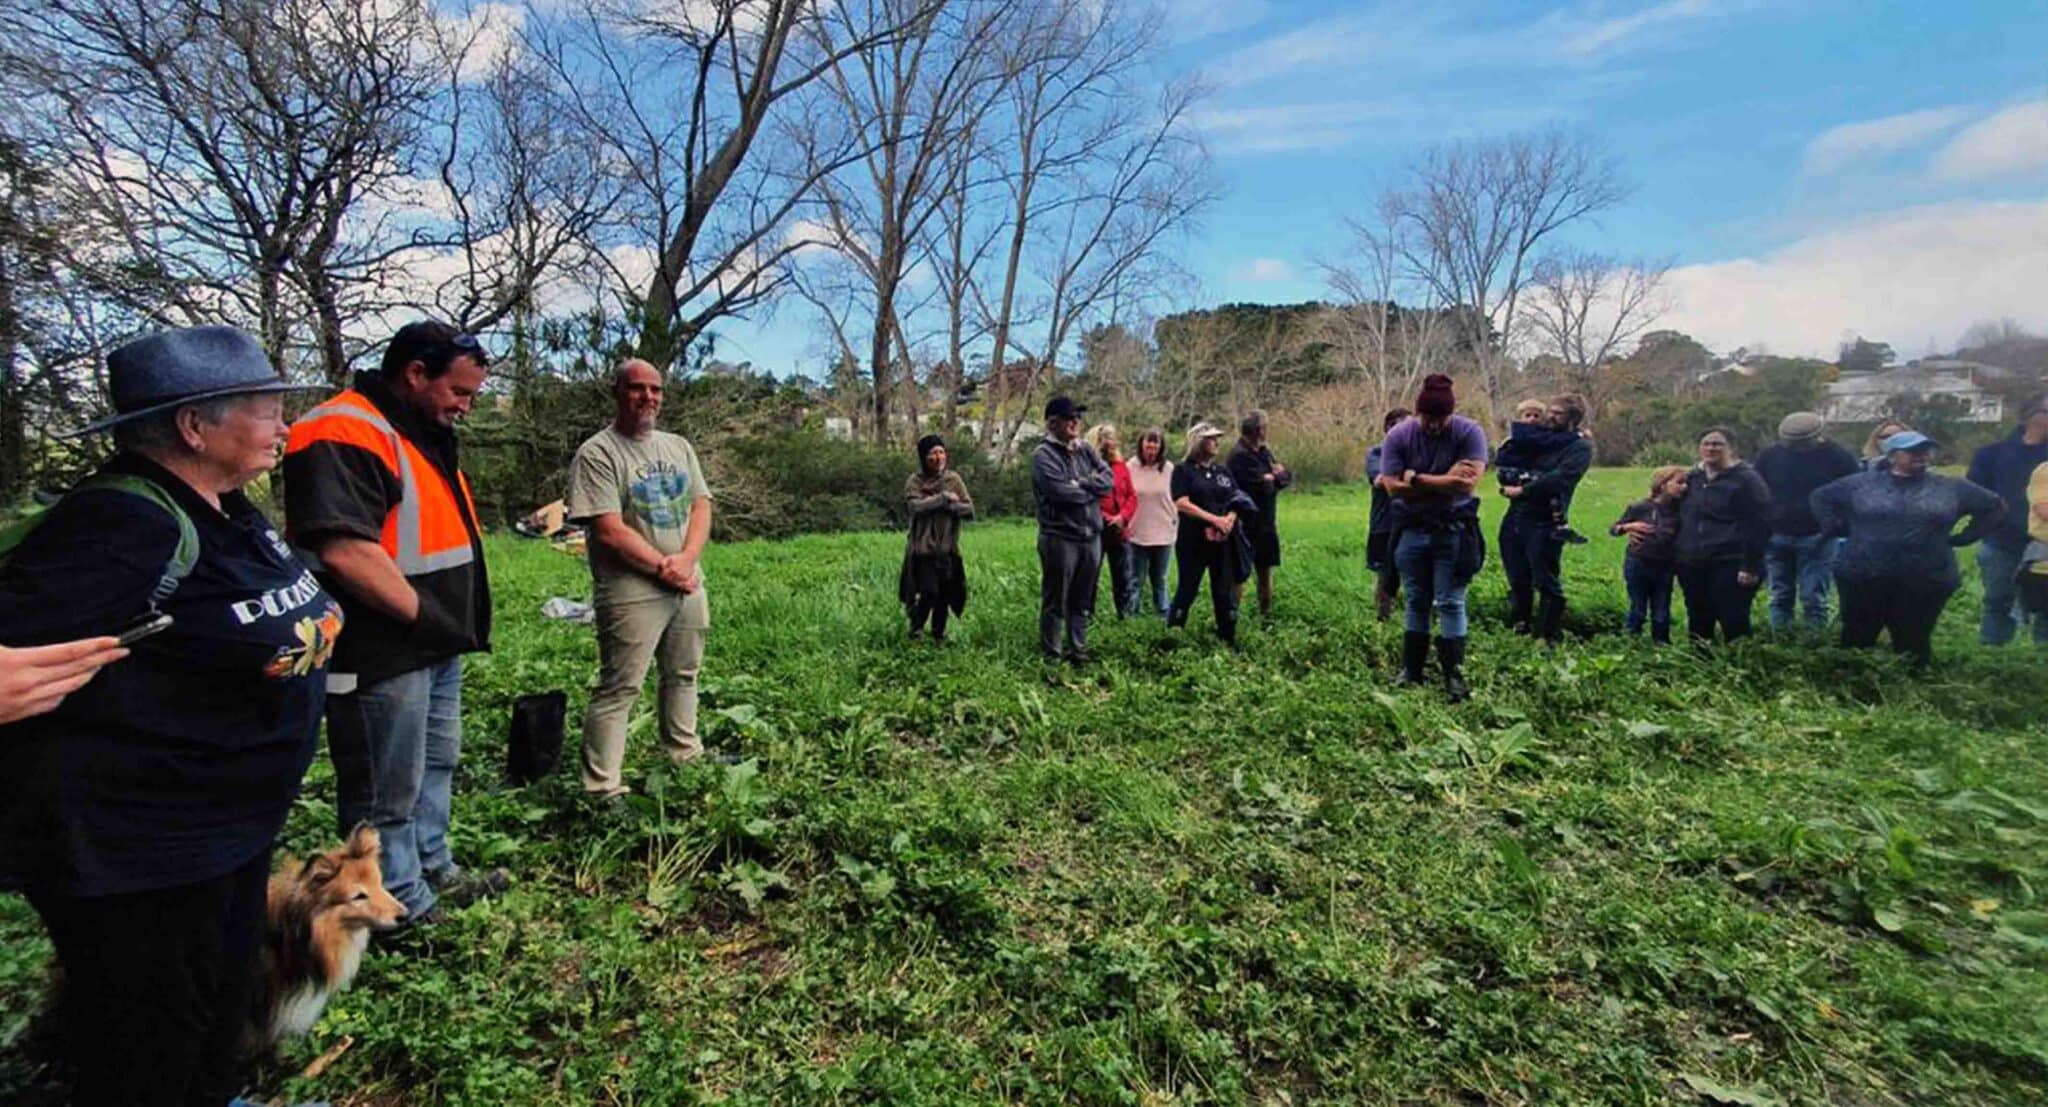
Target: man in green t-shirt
642, 493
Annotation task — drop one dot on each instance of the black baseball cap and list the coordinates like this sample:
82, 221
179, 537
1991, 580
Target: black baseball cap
1062, 407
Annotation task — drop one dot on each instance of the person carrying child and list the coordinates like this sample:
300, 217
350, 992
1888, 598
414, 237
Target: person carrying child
1651, 565
1540, 465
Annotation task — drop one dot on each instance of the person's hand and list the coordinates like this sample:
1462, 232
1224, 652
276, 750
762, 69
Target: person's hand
1467, 469
1746, 579
36, 679
1638, 528
1511, 491
1212, 534
1227, 524
670, 572
1279, 469
691, 580
1267, 477
952, 495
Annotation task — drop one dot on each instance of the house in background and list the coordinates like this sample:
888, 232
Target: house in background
1861, 397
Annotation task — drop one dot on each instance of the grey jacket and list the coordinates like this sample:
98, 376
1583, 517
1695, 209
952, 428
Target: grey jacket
1900, 527
1069, 485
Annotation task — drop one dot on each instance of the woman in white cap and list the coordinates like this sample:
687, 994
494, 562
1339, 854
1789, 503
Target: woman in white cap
1898, 568
1212, 509
139, 819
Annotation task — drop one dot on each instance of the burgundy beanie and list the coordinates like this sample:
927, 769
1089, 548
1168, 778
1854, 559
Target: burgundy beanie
1436, 399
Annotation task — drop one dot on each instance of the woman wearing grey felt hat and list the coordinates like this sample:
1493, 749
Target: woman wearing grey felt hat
138, 817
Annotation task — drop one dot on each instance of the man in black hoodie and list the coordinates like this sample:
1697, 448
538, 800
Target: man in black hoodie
2004, 467
1068, 481
1798, 560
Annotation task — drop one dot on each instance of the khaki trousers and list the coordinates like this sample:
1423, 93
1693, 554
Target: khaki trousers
629, 637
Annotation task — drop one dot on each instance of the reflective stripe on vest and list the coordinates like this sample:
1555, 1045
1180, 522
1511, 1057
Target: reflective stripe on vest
404, 528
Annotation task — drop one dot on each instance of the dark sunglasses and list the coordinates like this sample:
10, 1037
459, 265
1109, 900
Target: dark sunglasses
466, 343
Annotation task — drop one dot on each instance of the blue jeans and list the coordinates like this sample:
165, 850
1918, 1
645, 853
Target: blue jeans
1123, 584
1649, 593
395, 744
1801, 568
1530, 553
1428, 561
2002, 617
1149, 566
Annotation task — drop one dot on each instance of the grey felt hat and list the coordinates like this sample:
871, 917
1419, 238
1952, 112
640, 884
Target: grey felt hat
1801, 426
181, 366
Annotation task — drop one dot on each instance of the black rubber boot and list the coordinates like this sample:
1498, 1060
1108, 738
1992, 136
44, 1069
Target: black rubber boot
1550, 618
1450, 653
1226, 629
1660, 633
1414, 655
1176, 617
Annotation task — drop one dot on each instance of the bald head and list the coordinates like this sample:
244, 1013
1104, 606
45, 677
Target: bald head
636, 397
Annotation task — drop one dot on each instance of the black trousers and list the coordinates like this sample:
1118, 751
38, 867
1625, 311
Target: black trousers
1714, 597
1069, 572
1194, 557
1907, 607
1532, 556
157, 986
929, 574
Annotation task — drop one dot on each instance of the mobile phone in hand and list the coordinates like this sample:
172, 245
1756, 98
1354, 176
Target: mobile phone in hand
149, 623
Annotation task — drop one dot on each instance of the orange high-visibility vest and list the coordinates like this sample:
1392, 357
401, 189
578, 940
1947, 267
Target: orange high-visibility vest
426, 530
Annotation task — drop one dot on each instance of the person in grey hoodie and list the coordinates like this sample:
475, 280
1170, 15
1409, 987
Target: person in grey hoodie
1898, 568
1068, 481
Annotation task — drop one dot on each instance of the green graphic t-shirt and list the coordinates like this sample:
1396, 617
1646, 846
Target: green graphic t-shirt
650, 482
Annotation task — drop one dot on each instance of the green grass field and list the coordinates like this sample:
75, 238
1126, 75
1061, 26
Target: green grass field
1775, 873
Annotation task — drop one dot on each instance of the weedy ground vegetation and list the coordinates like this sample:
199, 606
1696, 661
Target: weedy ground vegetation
1768, 873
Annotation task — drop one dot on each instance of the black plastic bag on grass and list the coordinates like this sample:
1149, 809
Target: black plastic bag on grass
535, 745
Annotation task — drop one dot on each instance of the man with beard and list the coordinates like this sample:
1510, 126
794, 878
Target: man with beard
642, 493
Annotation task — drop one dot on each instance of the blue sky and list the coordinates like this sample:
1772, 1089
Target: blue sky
1811, 166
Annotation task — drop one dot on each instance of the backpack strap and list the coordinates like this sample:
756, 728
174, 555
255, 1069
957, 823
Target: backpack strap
187, 553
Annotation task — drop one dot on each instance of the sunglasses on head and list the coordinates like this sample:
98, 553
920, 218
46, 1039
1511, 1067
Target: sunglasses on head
466, 343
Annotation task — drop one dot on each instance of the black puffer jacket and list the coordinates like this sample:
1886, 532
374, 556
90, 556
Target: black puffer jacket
1727, 518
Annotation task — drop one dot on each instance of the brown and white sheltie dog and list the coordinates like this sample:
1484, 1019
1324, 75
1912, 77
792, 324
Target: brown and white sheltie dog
320, 916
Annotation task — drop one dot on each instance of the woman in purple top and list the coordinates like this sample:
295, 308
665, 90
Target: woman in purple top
1429, 466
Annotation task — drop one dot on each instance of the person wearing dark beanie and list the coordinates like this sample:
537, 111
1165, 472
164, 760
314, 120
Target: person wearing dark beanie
1436, 398
1429, 466
933, 582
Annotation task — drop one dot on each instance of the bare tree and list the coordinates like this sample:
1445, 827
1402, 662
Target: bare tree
1474, 215
1390, 345
920, 98
233, 146
1094, 175
704, 106
522, 197
1585, 308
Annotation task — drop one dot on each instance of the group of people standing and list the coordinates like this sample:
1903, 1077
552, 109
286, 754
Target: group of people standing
1807, 519
1212, 516
139, 819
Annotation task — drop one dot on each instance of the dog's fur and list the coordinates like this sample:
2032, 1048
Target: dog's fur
320, 915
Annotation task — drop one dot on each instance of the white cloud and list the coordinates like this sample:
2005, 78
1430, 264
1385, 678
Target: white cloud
1319, 45
1262, 270
1189, 20
1406, 42
1276, 127
1914, 278
2013, 141
1606, 34
1838, 148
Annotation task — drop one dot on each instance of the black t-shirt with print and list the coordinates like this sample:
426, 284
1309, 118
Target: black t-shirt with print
180, 762
1209, 487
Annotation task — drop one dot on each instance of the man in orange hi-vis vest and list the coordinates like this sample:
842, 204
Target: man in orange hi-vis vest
376, 503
